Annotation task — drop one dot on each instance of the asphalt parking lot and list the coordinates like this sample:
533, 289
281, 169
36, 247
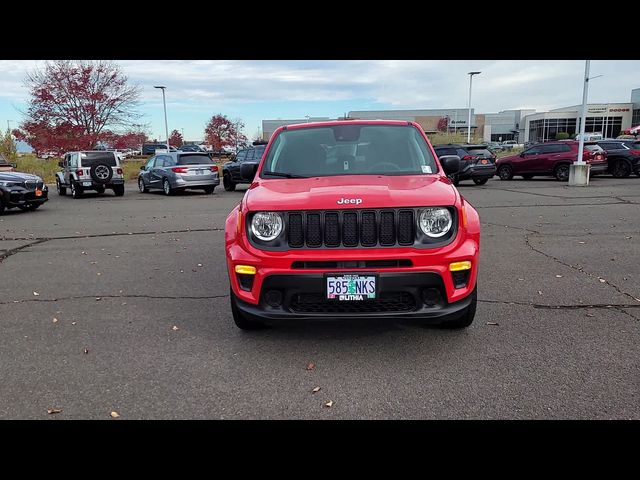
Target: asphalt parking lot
138, 289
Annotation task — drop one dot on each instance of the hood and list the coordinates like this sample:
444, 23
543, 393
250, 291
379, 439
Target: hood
353, 191
18, 177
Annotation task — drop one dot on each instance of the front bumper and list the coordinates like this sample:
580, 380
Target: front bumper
23, 197
399, 297
477, 171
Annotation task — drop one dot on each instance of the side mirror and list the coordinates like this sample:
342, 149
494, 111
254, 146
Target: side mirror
248, 171
450, 164
61, 164
14, 165
143, 167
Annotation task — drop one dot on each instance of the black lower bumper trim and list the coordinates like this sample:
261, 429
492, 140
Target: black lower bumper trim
400, 296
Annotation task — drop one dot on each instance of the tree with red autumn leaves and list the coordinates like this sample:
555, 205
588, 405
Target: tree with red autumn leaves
221, 132
176, 139
76, 104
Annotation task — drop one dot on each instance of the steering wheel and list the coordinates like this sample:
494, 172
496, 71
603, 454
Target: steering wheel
385, 164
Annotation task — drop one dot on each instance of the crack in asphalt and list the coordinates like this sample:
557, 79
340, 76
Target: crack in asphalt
13, 251
562, 307
621, 309
579, 269
101, 297
116, 234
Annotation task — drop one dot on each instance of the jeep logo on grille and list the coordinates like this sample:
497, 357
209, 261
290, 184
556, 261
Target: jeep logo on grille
354, 201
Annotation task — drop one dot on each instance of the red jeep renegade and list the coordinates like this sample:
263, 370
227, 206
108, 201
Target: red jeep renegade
352, 219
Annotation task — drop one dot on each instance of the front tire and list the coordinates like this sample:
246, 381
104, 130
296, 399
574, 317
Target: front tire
480, 181
76, 190
62, 191
467, 317
141, 186
561, 172
242, 322
229, 186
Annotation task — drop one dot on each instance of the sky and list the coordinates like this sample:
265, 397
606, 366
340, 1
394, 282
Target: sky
253, 90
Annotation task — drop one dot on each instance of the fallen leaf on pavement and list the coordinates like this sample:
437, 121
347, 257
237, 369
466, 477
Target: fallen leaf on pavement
115, 414
55, 320
36, 294
175, 328
590, 315
602, 280
329, 404
315, 390
98, 299
493, 323
53, 411
86, 350
539, 292
311, 366
73, 323
199, 264
558, 276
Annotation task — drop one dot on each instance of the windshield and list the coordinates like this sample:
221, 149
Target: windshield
349, 150
194, 159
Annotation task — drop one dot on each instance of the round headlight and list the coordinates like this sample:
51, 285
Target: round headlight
435, 222
266, 226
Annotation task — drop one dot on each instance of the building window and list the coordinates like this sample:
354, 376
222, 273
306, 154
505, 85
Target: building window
501, 137
636, 118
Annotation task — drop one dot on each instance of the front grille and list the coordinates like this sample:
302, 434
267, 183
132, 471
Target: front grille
351, 228
387, 302
351, 264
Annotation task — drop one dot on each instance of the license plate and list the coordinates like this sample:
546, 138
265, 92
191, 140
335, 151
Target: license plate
38, 192
199, 172
351, 287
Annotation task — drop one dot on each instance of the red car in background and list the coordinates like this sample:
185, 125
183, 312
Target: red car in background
352, 219
551, 159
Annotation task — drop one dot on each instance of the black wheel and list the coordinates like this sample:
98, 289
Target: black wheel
166, 187
561, 172
467, 317
229, 186
101, 173
118, 190
621, 169
100, 190
141, 186
240, 320
1, 206
209, 190
62, 191
527, 176
480, 181
76, 190
505, 172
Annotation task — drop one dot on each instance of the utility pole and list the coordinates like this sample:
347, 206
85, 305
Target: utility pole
579, 171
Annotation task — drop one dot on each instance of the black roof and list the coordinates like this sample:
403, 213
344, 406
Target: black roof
458, 145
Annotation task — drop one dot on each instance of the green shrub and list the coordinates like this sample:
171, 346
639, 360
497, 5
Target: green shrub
562, 136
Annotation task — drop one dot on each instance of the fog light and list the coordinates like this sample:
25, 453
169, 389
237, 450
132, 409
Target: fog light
273, 298
246, 269
430, 296
458, 266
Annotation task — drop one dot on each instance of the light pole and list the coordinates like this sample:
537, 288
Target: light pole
471, 74
166, 126
579, 170
182, 130
307, 117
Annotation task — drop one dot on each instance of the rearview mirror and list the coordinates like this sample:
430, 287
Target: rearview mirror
248, 171
450, 164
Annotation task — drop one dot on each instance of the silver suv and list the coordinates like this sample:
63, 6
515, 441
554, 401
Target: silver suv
90, 170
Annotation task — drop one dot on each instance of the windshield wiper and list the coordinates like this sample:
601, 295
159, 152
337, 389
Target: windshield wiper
285, 175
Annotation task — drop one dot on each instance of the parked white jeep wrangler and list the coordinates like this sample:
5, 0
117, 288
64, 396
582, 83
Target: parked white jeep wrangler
90, 170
